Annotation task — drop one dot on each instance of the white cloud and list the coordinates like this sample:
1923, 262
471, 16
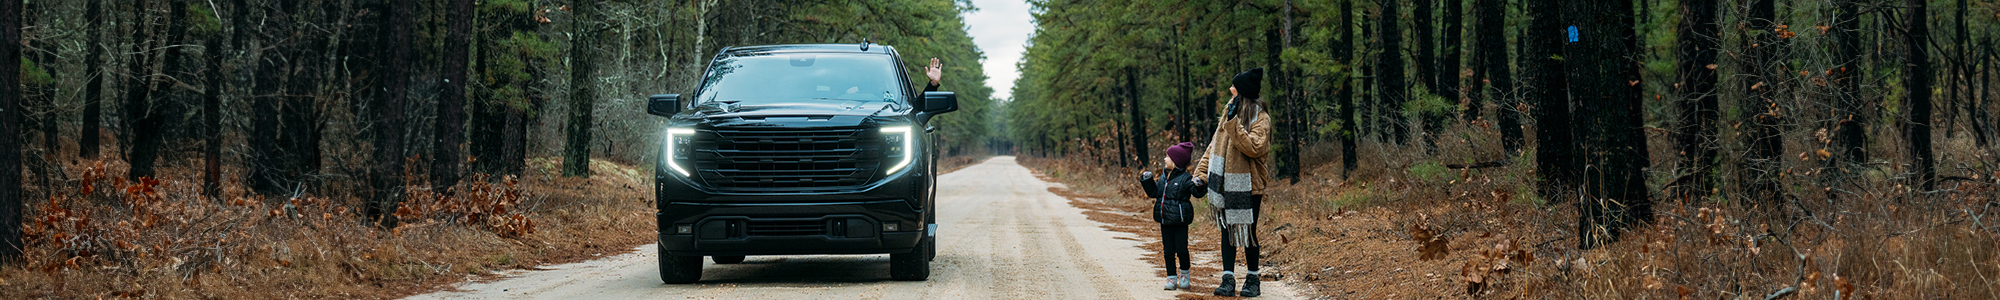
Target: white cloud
1001, 28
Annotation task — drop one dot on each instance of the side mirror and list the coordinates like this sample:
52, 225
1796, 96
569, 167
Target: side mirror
664, 105
937, 103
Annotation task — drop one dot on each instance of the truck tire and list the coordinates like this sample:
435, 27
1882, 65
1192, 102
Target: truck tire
930, 218
727, 259
678, 269
913, 266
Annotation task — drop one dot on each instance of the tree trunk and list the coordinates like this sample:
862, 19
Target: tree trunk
1343, 51
1423, 60
1389, 66
1917, 130
1700, 42
10, 133
1118, 126
39, 98
1963, 89
146, 130
1187, 99
393, 83
450, 131
93, 92
1608, 118
1849, 136
1138, 124
1546, 87
1293, 116
583, 91
1761, 161
266, 157
1423, 52
139, 88
1448, 56
1495, 74
301, 127
1366, 120
211, 121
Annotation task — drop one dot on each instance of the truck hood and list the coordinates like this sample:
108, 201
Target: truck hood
828, 114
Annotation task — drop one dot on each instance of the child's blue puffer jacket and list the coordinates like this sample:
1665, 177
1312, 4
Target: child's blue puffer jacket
1170, 196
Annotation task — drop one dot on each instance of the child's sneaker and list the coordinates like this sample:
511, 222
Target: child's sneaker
1171, 281
1183, 280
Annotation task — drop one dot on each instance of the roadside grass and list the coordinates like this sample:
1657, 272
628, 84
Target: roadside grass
1404, 226
101, 236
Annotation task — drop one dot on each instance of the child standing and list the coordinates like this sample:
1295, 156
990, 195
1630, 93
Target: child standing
1173, 211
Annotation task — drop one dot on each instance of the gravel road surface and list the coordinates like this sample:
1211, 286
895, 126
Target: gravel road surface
1002, 235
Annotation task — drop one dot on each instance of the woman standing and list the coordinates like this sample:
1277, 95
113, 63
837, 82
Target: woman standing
1235, 165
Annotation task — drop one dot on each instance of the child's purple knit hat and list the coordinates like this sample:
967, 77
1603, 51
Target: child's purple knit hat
1179, 153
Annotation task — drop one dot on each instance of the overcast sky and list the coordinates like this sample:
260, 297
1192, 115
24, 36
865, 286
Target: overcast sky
1001, 29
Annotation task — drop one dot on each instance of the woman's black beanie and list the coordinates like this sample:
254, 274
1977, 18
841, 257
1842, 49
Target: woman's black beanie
1249, 83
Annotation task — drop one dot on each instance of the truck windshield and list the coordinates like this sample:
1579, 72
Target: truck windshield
758, 79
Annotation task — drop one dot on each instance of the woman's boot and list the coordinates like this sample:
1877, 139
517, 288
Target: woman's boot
1228, 287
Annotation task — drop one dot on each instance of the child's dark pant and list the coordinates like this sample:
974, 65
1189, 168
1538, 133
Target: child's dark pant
1175, 238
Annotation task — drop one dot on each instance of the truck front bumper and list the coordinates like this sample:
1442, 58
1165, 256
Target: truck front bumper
861, 227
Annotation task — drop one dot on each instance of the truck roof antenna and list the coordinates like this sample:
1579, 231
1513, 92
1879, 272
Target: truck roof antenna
864, 44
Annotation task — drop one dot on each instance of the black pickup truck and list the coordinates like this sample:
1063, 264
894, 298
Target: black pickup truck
798, 149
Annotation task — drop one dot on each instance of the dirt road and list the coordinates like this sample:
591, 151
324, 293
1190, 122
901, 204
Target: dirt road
1002, 235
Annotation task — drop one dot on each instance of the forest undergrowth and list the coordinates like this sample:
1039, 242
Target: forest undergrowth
1407, 224
101, 236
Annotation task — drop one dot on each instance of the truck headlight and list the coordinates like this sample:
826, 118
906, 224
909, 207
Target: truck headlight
678, 141
899, 141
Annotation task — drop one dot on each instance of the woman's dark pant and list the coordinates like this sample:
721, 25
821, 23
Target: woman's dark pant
1249, 251
1175, 238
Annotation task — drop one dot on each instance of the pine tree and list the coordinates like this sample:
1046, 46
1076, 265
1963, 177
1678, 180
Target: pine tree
1917, 107
1544, 85
1761, 160
11, 115
1391, 91
395, 27
447, 154
1700, 42
583, 90
1494, 73
93, 99
1607, 98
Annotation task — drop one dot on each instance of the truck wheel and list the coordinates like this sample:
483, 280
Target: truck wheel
913, 266
727, 259
677, 269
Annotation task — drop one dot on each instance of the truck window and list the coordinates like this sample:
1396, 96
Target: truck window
776, 78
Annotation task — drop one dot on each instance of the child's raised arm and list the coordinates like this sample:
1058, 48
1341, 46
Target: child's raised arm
1151, 186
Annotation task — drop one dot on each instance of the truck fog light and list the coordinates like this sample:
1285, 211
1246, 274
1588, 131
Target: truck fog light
684, 229
889, 226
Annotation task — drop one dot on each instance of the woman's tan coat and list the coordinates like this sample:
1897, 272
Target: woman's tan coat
1244, 151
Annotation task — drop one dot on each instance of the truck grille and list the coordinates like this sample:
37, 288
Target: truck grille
786, 160
787, 227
